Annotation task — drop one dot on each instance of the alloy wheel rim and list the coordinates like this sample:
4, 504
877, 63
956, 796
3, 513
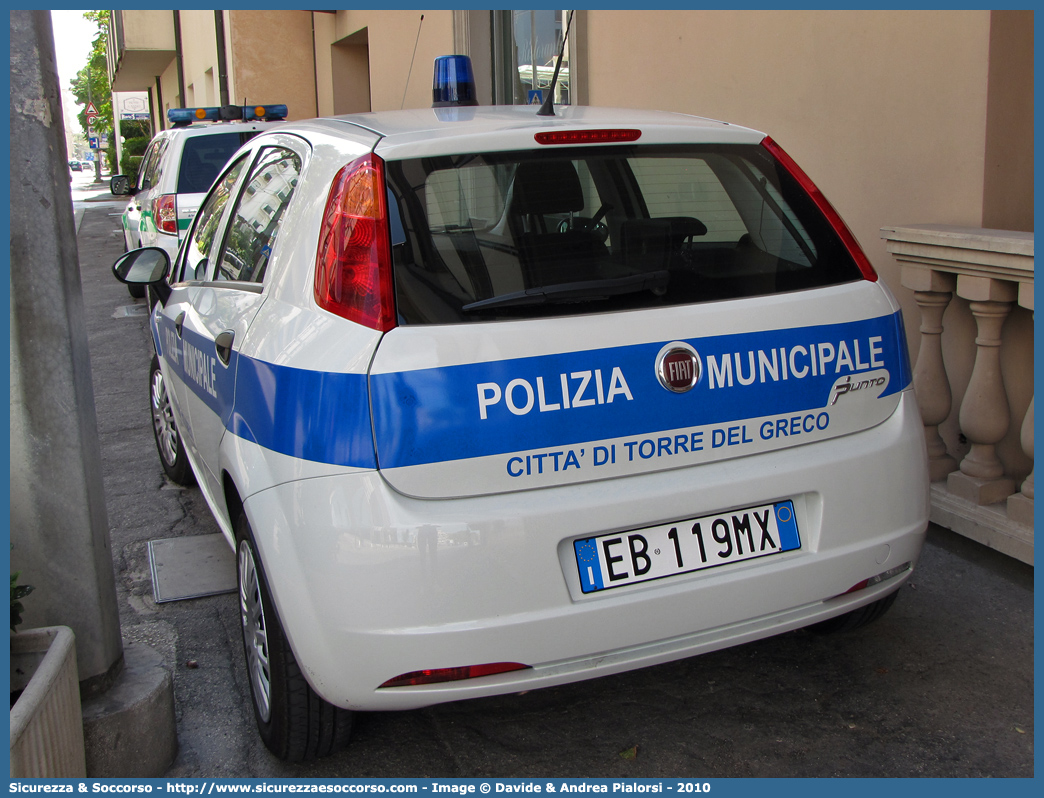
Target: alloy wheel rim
255, 632
163, 419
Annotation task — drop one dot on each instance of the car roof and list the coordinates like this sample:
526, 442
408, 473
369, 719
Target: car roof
435, 131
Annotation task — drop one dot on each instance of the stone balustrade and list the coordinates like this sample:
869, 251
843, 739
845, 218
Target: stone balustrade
993, 270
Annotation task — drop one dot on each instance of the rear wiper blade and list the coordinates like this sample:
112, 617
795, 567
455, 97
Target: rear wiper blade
576, 291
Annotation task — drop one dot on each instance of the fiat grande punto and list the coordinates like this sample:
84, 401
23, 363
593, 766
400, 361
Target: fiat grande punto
487, 400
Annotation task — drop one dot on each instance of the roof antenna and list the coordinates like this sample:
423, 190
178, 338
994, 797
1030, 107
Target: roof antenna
407, 86
548, 108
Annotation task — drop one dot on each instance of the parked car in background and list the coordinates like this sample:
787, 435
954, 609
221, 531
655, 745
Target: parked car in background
178, 168
487, 400
75, 166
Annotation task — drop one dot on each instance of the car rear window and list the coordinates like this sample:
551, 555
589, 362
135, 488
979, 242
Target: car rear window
574, 230
203, 157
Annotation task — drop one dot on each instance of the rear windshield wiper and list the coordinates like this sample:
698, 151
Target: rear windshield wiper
583, 290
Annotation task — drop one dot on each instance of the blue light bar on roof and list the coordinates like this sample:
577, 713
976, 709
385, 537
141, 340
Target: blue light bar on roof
180, 117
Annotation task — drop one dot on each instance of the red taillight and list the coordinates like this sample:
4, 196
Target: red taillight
353, 266
832, 216
587, 136
452, 674
165, 212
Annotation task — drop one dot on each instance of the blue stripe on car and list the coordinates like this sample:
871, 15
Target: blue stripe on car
433, 415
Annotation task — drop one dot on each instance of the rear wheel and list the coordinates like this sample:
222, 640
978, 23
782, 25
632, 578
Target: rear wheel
856, 618
293, 721
165, 428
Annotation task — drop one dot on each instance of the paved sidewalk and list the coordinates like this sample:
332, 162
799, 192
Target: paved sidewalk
941, 686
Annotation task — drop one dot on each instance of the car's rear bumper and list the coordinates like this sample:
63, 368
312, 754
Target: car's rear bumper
371, 584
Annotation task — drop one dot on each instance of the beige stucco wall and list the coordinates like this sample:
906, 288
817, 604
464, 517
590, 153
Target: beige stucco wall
391, 37
199, 57
169, 88
258, 77
1008, 199
149, 30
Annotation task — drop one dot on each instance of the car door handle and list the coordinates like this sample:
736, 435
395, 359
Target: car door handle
179, 322
223, 345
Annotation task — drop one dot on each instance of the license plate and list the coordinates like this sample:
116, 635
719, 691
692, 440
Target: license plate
625, 558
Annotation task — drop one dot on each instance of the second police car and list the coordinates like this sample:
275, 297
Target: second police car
487, 400
178, 167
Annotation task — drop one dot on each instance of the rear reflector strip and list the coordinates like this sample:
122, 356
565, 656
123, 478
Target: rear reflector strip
832, 216
437, 675
587, 136
873, 580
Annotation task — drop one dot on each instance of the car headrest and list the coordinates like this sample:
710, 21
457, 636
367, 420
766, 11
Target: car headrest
543, 187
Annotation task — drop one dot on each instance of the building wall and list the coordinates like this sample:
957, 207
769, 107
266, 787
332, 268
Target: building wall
1008, 195
389, 38
257, 75
149, 30
199, 57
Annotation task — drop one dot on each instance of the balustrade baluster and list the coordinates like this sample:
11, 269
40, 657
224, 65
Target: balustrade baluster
984, 416
933, 291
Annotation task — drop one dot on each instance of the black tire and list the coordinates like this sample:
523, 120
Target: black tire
165, 429
295, 724
856, 618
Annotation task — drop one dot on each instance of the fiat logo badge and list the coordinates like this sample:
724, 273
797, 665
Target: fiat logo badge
678, 367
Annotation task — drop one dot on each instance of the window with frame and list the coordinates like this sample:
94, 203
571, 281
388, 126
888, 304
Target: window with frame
150, 170
195, 253
258, 214
553, 232
526, 48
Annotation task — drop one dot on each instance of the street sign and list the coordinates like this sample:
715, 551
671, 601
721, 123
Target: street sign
91, 113
93, 142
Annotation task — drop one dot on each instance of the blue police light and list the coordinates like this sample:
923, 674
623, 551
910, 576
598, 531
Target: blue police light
186, 116
180, 117
269, 113
454, 82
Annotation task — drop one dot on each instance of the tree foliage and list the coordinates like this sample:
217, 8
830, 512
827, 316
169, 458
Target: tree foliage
91, 83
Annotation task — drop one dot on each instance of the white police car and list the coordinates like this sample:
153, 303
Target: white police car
489, 401
179, 167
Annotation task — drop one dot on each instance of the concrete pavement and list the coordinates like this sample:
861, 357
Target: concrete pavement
941, 686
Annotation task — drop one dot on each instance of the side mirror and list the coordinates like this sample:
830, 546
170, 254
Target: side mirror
145, 266
120, 186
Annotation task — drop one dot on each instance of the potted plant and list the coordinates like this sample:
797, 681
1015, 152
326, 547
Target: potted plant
46, 722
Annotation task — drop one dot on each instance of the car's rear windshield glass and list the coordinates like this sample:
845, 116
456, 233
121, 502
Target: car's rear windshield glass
204, 156
538, 233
